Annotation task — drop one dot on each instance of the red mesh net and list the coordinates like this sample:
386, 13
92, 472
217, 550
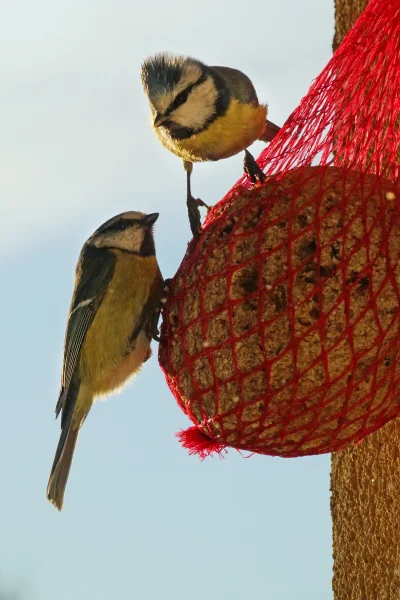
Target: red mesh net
281, 331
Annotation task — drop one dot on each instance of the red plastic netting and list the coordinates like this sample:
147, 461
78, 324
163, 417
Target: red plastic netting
281, 331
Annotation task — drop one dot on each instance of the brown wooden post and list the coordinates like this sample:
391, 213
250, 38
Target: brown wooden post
365, 506
346, 13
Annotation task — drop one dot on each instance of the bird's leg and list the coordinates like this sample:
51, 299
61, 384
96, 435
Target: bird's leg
192, 203
252, 169
154, 331
155, 335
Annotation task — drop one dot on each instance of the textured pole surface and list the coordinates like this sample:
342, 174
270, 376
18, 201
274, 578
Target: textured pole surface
346, 12
365, 505
365, 480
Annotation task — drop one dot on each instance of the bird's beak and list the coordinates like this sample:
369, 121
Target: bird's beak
151, 219
159, 119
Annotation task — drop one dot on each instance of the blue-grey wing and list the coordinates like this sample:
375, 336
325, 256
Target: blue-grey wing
239, 84
94, 272
242, 88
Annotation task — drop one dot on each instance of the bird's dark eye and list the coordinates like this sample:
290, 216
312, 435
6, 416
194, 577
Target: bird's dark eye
123, 225
182, 97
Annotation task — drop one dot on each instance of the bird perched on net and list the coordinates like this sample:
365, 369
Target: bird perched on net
112, 320
203, 113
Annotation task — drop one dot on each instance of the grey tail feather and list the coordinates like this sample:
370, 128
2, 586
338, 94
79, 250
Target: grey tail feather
270, 131
60, 471
65, 451
60, 402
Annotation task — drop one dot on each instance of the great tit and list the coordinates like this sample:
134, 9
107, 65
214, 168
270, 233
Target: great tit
203, 113
112, 320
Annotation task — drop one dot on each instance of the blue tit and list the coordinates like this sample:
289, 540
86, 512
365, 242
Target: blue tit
203, 113
112, 320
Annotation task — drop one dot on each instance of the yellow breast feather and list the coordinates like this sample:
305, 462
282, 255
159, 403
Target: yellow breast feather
107, 342
237, 129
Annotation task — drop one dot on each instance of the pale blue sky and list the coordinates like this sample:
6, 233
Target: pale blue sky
142, 519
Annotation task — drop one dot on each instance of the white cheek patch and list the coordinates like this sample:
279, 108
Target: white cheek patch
198, 108
130, 240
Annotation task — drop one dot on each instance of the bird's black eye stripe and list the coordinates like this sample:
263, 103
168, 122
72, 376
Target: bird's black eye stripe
181, 98
184, 94
121, 225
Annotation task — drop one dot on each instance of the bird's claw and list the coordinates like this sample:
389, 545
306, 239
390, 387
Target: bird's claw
200, 202
252, 169
155, 332
156, 335
167, 283
194, 215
